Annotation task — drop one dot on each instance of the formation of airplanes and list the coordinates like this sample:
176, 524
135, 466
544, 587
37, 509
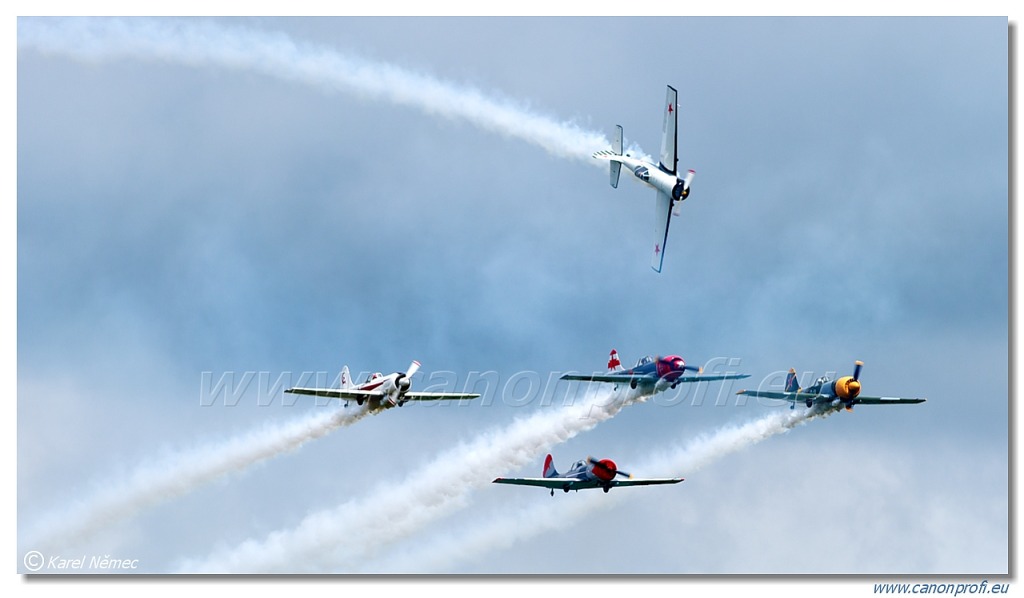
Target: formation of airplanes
842, 392
585, 473
651, 374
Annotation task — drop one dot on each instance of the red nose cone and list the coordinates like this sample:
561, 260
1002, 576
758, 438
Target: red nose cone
605, 469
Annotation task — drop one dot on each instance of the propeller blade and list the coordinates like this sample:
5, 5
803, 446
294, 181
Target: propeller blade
413, 368
857, 365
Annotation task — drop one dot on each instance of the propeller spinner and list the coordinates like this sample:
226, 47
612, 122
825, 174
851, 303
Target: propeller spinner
848, 387
606, 469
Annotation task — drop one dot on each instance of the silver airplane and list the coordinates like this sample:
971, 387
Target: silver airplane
382, 392
663, 177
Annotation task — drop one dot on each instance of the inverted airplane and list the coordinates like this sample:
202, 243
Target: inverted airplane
663, 177
382, 392
588, 473
652, 373
843, 392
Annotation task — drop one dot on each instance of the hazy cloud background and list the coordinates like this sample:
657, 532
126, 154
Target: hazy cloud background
850, 203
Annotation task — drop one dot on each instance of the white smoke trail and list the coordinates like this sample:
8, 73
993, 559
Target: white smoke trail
204, 43
504, 530
178, 474
330, 540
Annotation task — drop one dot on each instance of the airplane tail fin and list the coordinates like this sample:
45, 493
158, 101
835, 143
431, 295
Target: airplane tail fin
615, 165
791, 381
549, 467
614, 365
346, 378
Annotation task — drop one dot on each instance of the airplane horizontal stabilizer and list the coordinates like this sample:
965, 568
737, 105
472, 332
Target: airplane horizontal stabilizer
615, 166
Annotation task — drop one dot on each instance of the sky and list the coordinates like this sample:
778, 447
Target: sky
215, 201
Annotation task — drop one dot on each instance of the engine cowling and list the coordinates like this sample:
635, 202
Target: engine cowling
846, 388
605, 470
681, 190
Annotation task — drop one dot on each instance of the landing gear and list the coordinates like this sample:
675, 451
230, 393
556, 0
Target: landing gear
632, 383
606, 489
809, 403
552, 492
564, 489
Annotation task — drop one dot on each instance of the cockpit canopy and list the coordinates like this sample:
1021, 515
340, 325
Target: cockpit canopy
645, 360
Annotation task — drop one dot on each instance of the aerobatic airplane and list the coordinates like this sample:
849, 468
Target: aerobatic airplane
671, 190
382, 392
654, 374
843, 392
589, 473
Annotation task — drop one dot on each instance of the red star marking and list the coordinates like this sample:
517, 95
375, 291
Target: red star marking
657, 249
670, 108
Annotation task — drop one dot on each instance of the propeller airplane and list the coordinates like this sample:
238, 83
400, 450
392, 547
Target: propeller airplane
843, 392
654, 374
382, 392
584, 474
663, 177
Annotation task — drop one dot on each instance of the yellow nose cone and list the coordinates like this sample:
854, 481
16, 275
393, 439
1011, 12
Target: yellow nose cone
847, 388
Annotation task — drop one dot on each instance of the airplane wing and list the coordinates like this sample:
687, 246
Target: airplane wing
556, 483
437, 396
662, 218
669, 132
337, 393
647, 482
803, 397
782, 396
610, 378
887, 401
712, 378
